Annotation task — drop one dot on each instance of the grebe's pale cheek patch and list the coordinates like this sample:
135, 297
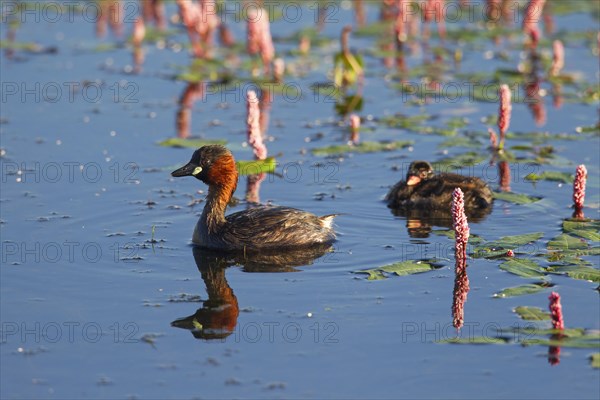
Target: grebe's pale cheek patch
196, 171
413, 180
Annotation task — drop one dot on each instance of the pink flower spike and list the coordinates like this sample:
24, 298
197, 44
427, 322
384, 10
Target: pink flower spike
493, 139
139, 32
253, 31
354, 128
278, 69
459, 296
558, 58
579, 188
556, 311
354, 122
267, 49
504, 111
253, 122
505, 179
510, 253
459, 223
533, 13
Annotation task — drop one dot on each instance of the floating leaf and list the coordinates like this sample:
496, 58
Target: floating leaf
578, 272
412, 123
567, 243
499, 247
514, 241
588, 229
521, 290
475, 340
580, 343
362, 147
460, 141
564, 177
516, 198
193, 143
532, 313
256, 166
449, 233
523, 267
460, 161
400, 268
595, 360
528, 332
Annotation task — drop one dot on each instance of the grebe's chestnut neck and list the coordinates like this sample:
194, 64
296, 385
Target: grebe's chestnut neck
215, 166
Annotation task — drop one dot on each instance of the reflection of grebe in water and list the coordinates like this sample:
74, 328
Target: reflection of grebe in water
425, 198
260, 228
217, 318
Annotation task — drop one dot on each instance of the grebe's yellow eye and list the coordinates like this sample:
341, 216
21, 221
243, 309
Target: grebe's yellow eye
197, 170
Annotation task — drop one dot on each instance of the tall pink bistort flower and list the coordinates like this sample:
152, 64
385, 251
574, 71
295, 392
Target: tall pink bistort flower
558, 58
556, 314
459, 223
461, 236
253, 122
402, 20
354, 128
278, 69
533, 14
493, 139
255, 140
139, 32
459, 294
434, 10
201, 21
504, 173
259, 36
504, 112
579, 190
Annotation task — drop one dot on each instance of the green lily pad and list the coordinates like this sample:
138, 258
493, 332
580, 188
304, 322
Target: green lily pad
499, 247
595, 360
516, 198
532, 313
362, 147
412, 123
567, 243
588, 229
191, 143
253, 167
523, 267
577, 272
564, 177
522, 290
475, 340
514, 241
528, 332
460, 141
449, 233
579, 343
460, 161
400, 268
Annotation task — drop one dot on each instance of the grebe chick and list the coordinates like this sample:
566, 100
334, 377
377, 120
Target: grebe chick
253, 229
423, 190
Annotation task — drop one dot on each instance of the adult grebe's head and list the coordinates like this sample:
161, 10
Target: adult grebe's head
417, 172
213, 165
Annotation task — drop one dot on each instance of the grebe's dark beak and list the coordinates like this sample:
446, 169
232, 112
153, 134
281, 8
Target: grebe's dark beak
187, 170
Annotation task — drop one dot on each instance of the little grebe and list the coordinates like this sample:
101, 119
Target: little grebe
425, 191
253, 229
